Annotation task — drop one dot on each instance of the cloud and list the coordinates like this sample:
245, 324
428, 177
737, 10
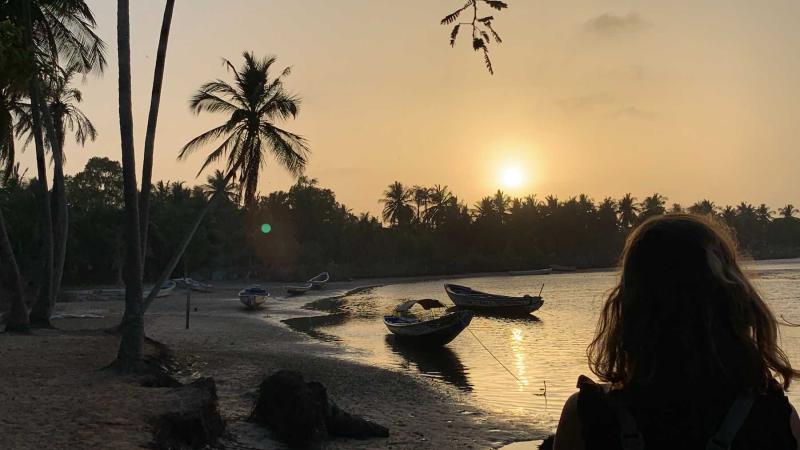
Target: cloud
611, 25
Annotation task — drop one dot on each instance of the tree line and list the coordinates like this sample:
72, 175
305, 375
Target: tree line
421, 231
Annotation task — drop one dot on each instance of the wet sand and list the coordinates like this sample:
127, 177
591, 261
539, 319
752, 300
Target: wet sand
238, 348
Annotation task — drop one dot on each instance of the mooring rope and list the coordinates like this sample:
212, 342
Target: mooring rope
495, 358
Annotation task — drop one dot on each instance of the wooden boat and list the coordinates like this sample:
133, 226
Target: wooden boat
465, 297
298, 289
531, 272
318, 281
429, 332
253, 297
193, 284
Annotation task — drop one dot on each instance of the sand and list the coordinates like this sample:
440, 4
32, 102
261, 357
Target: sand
51, 373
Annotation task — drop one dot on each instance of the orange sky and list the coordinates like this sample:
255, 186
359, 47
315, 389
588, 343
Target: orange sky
687, 98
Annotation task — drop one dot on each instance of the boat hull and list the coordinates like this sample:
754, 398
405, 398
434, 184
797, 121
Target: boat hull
430, 333
531, 272
479, 301
253, 301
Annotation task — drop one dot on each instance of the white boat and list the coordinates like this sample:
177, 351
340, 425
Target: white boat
193, 284
299, 289
253, 297
531, 272
434, 331
465, 297
318, 281
166, 289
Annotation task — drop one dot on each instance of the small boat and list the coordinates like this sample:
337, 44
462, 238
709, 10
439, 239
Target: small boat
166, 289
318, 281
435, 331
465, 297
253, 297
193, 284
558, 268
299, 289
531, 272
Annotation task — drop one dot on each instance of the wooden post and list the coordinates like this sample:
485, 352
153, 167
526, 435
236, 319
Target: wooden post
188, 293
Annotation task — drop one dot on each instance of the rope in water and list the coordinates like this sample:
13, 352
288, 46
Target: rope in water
495, 358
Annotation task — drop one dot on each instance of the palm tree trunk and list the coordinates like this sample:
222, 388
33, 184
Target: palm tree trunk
61, 213
42, 308
152, 120
18, 317
187, 239
129, 355
55, 131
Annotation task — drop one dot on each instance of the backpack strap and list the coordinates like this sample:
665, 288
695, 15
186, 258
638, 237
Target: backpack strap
630, 437
733, 421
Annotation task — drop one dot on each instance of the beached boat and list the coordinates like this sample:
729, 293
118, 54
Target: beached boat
465, 297
433, 331
318, 281
193, 284
253, 297
299, 289
166, 289
544, 271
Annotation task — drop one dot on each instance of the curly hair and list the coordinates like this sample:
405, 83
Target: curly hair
684, 311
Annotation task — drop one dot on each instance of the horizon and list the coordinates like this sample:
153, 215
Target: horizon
689, 102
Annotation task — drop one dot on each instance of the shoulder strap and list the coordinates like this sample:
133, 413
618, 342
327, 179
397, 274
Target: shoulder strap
630, 437
733, 421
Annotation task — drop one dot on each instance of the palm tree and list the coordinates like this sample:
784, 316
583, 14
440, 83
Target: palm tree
53, 32
255, 103
728, 215
132, 327
627, 208
764, 214
653, 205
217, 183
440, 200
502, 204
152, 121
788, 211
396, 208
421, 197
704, 208
62, 105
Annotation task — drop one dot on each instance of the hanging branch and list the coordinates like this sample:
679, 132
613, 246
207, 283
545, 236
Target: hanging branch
482, 30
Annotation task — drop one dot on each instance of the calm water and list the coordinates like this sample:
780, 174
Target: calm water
544, 351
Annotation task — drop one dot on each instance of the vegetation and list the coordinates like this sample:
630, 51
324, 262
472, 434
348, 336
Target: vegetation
312, 231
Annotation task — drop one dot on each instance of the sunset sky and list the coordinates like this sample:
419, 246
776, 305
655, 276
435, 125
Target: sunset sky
690, 99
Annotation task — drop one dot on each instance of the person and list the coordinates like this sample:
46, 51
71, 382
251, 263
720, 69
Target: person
687, 351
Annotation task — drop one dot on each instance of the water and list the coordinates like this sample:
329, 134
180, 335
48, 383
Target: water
545, 353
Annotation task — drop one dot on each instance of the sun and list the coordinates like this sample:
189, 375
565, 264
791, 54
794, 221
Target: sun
512, 177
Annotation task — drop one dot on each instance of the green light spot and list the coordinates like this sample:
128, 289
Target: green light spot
266, 228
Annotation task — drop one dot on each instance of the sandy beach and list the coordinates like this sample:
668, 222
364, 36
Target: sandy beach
238, 348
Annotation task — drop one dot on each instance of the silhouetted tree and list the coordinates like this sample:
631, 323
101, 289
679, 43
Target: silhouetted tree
627, 208
481, 27
396, 208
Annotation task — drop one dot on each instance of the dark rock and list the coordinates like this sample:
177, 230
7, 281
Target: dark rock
196, 425
301, 413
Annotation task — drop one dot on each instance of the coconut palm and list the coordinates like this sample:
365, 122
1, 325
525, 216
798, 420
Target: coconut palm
217, 183
653, 205
132, 327
627, 208
764, 214
728, 215
421, 196
396, 208
440, 199
53, 31
152, 121
255, 103
61, 101
788, 211
704, 207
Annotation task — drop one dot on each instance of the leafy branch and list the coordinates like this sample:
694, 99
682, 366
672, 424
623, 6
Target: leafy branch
482, 31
